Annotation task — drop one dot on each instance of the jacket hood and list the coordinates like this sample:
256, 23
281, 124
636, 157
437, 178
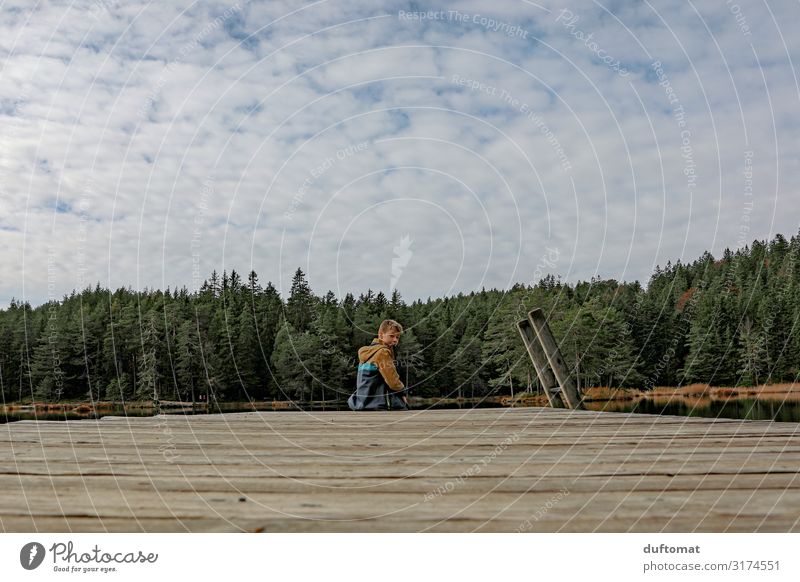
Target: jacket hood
369, 351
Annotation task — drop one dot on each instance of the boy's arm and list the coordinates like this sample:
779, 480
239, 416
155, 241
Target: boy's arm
388, 371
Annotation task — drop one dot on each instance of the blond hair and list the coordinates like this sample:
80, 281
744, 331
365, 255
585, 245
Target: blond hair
389, 325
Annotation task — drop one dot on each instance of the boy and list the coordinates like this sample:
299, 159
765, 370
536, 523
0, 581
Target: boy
378, 386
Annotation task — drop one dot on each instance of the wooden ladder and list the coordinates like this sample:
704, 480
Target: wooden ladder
546, 357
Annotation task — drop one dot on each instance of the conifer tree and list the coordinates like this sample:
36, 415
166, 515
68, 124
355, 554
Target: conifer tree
149, 376
300, 304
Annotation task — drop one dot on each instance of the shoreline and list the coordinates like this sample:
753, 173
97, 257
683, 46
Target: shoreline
592, 394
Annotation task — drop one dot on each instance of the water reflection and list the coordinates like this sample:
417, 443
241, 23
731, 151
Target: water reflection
736, 408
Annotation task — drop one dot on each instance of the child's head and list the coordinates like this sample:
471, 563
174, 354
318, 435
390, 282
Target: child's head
389, 332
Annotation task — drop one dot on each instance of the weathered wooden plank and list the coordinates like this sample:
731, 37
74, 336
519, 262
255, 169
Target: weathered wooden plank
692, 507
546, 378
569, 391
249, 484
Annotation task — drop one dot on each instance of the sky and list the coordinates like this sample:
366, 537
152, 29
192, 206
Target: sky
433, 148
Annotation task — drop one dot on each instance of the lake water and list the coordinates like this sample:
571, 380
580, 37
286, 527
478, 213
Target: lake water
739, 408
736, 408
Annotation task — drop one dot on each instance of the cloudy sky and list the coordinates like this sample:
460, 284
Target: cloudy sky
435, 148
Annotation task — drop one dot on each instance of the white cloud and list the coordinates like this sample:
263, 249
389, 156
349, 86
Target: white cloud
115, 115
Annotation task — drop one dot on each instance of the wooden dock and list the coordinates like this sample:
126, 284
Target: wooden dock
518, 469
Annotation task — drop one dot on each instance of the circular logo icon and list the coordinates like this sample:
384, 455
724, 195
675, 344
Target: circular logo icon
31, 555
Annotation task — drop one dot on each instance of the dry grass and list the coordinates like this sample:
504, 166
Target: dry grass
600, 393
688, 390
772, 389
706, 392
525, 399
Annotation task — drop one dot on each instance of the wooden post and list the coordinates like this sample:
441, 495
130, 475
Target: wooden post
568, 390
539, 359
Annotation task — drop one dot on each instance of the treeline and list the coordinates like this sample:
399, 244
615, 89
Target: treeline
728, 321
